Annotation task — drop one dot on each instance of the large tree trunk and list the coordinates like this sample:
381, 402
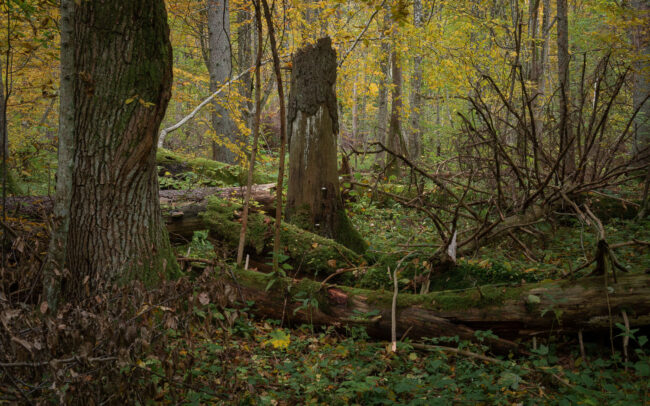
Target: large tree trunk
415, 130
220, 66
510, 312
313, 197
123, 66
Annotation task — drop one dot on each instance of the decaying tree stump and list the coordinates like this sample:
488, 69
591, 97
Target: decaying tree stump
313, 199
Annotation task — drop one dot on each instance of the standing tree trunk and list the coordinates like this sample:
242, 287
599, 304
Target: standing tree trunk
56, 256
415, 132
395, 140
245, 58
381, 126
122, 84
4, 139
563, 59
641, 91
220, 67
313, 198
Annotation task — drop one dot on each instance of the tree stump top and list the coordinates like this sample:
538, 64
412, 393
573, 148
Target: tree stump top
313, 78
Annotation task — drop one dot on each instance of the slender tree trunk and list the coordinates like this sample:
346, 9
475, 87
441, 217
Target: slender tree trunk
641, 80
4, 138
313, 199
56, 257
283, 134
640, 92
415, 131
381, 126
355, 114
395, 140
256, 133
220, 68
563, 60
122, 84
245, 58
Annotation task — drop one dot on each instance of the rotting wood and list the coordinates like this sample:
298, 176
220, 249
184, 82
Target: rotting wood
558, 307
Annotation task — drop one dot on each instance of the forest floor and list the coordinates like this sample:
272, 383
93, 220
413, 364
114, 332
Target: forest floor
183, 344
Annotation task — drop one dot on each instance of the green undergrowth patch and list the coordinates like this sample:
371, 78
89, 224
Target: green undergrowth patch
222, 356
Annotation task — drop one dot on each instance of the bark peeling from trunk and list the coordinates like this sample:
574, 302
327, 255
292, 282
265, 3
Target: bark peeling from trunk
313, 198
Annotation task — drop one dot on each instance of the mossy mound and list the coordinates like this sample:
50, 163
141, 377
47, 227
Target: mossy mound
307, 251
202, 172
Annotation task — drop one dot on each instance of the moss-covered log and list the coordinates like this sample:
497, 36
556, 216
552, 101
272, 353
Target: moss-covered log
182, 208
306, 251
206, 170
510, 312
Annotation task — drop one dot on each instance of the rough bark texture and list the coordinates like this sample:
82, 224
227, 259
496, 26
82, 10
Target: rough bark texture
415, 131
56, 256
220, 67
122, 86
313, 198
510, 312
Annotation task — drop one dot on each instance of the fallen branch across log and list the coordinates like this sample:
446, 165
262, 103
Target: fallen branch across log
510, 312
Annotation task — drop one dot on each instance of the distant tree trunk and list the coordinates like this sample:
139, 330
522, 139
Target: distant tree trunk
4, 139
313, 198
563, 60
381, 126
641, 84
415, 131
640, 92
220, 68
395, 139
256, 132
245, 58
355, 113
56, 256
122, 84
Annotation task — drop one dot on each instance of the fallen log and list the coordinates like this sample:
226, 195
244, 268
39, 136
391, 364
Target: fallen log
181, 208
218, 210
555, 307
304, 251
